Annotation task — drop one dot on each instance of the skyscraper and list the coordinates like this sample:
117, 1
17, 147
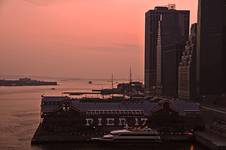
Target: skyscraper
166, 32
187, 68
224, 45
211, 52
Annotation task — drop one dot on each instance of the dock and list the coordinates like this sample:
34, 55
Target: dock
42, 138
214, 135
211, 140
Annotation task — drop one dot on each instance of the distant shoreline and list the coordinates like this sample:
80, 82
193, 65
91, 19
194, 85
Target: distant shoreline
26, 82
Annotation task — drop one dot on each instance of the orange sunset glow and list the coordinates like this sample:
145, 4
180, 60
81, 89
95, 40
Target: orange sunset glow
76, 38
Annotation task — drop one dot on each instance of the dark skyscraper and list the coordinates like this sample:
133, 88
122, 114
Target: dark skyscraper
187, 68
224, 47
211, 54
166, 31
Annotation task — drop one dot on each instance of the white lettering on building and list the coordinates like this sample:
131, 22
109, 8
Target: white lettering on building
89, 121
99, 121
144, 121
110, 122
137, 122
122, 122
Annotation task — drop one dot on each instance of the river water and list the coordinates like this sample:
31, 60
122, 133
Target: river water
20, 116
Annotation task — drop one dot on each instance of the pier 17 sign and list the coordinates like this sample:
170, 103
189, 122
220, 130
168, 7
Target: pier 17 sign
121, 121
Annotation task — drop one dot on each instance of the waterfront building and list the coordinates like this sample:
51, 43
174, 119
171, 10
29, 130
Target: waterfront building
187, 68
211, 52
133, 86
62, 115
166, 32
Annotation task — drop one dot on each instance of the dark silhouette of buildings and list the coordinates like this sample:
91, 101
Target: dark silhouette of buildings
211, 52
166, 32
224, 46
187, 68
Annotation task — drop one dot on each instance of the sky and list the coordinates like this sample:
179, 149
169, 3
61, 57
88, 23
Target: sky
76, 38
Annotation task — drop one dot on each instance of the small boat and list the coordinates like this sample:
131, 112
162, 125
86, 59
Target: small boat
135, 136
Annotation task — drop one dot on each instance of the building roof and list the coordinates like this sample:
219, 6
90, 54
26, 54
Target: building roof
51, 104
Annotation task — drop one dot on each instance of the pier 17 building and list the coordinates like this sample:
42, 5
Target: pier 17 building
65, 117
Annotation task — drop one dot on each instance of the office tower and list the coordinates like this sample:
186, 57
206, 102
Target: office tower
187, 68
224, 46
167, 30
211, 54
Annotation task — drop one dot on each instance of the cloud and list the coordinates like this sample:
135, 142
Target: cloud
41, 2
128, 45
114, 47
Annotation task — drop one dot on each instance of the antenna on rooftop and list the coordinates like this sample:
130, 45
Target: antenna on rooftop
112, 81
112, 85
130, 74
171, 6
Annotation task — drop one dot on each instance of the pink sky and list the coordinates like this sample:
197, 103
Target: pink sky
76, 38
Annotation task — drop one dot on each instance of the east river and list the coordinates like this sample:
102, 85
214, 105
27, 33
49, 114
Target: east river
20, 116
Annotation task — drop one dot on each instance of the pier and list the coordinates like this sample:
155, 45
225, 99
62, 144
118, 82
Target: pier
211, 140
214, 136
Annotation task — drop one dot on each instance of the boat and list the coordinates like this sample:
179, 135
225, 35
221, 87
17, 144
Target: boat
128, 136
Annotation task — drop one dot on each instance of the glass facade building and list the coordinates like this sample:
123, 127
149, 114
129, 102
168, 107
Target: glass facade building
166, 29
211, 62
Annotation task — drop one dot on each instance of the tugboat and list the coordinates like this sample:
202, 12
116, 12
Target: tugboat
127, 136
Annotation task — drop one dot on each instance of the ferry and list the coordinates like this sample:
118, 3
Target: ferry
135, 136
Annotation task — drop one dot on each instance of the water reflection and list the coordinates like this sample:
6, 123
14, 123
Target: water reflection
165, 146
192, 147
20, 116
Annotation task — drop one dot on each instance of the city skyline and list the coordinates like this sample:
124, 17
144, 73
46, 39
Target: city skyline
166, 32
59, 38
96, 74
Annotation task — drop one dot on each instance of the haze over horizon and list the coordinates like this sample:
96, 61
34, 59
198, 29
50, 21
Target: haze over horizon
76, 38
